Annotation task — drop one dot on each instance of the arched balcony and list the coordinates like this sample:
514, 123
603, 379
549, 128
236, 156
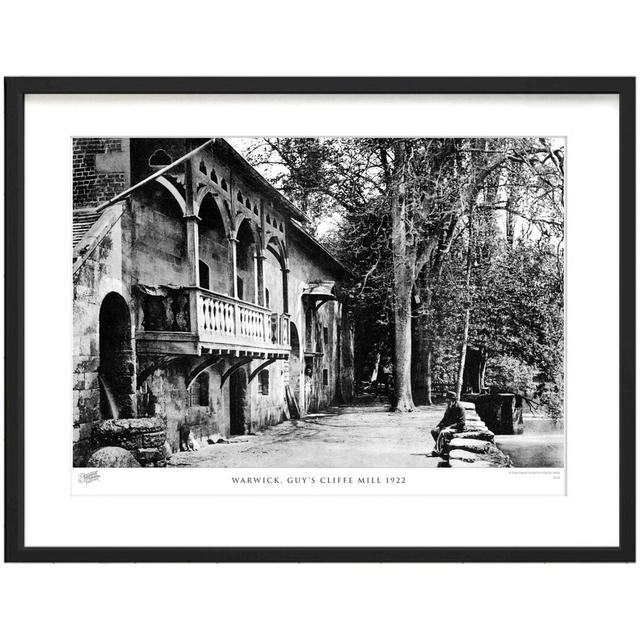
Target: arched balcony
213, 246
224, 311
247, 264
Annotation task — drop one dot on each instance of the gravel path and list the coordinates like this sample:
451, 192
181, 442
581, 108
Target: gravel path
364, 435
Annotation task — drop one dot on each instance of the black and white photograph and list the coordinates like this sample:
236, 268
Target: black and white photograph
328, 302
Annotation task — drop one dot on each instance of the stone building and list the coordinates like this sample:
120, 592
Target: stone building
198, 295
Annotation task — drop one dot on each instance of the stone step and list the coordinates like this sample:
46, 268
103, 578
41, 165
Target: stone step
465, 456
470, 444
476, 434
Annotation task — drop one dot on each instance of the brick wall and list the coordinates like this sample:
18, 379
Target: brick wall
94, 185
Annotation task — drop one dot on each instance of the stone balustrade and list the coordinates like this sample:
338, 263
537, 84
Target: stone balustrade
193, 320
226, 319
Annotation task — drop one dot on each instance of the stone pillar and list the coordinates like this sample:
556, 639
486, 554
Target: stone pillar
256, 295
193, 250
285, 289
191, 221
261, 296
233, 248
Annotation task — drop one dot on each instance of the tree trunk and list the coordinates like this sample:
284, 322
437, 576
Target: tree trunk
403, 280
420, 362
374, 371
428, 399
403, 399
463, 352
467, 313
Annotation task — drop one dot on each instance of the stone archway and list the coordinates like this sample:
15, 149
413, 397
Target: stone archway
295, 364
238, 403
277, 250
247, 277
116, 358
213, 243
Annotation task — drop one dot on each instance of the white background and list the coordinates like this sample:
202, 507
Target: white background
499, 38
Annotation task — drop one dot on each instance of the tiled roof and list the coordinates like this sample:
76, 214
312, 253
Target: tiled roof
83, 220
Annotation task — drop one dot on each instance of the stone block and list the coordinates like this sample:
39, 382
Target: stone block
112, 457
464, 456
91, 381
477, 434
146, 435
147, 457
84, 364
81, 450
470, 444
88, 406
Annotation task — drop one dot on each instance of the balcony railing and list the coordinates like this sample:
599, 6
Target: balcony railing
213, 320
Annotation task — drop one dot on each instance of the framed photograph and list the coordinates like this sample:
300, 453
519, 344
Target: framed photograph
320, 319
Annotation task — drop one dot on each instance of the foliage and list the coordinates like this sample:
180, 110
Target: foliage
507, 374
481, 224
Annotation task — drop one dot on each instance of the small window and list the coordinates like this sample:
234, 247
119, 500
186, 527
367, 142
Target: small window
239, 197
199, 391
263, 383
248, 203
203, 167
325, 334
255, 209
213, 175
267, 300
160, 158
240, 285
203, 270
325, 377
223, 184
268, 219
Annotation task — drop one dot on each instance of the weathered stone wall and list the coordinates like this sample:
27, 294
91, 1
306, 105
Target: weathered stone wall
160, 240
169, 389
106, 269
214, 252
267, 409
273, 282
171, 400
317, 391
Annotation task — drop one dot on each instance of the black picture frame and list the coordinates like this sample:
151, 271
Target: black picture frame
15, 91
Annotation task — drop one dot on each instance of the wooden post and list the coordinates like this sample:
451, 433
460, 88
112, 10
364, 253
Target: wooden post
261, 296
233, 245
285, 290
191, 221
256, 296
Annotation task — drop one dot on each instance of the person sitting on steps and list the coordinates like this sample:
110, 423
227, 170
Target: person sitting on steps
452, 422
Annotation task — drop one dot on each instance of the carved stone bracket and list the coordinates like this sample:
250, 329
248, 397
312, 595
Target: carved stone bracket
258, 369
234, 367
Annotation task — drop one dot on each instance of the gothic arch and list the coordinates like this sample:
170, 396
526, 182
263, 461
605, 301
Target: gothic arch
173, 190
204, 193
239, 221
277, 247
116, 371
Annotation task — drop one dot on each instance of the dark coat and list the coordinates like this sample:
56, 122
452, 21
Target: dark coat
454, 416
